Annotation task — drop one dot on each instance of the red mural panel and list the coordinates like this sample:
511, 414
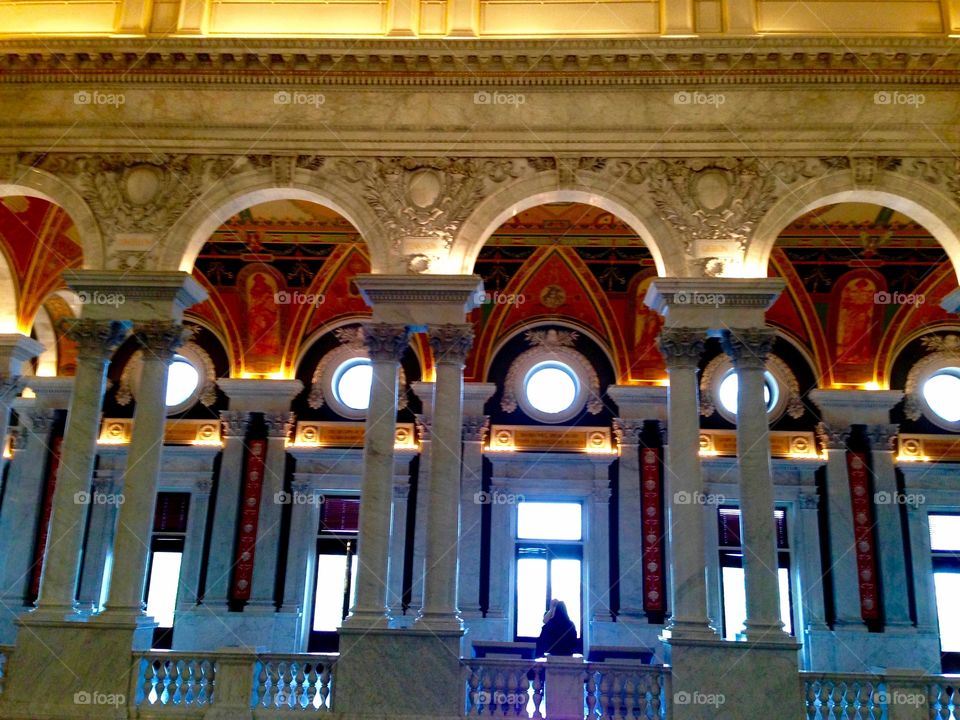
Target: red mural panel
863, 535
856, 324
249, 520
652, 509
41, 546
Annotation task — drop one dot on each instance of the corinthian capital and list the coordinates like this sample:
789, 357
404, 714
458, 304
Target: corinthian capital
749, 348
832, 438
627, 431
451, 343
234, 422
883, 437
279, 425
161, 338
682, 347
96, 339
385, 342
475, 427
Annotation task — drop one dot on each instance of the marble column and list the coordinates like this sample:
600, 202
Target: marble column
223, 536
890, 539
450, 344
749, 350
101, 532
262, 594
23, 503
398, 543
96, 340
924, 589
843, 555
386, 344
15, 349
501, 548
598, 589
304, 522
630, 502
188, 590
807, 537
159, 340
424, 422
682, 349
475, 428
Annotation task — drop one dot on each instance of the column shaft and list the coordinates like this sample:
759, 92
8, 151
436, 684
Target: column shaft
471, 507
188, 594
630, 503
598, 595
398, 542
304, 522
100, 537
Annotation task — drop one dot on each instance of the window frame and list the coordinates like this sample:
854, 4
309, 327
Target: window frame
944, 561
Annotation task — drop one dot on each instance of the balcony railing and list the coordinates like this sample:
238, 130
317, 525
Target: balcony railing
626, 690
853, 696
294, 682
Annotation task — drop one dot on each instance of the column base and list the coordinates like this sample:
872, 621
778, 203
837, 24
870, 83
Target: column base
689, 630
439, 623
365, 620
768, 633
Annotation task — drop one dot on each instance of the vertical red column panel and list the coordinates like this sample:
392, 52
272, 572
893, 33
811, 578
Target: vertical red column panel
44, 531
652, 508
863, 521
249, 519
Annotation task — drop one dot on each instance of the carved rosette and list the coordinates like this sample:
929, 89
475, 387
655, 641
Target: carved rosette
682, 347
96, 339
627, 431
386, 342
475, 427
279, 425
832, 438
235, 423
450, 343
749, 348
883, 438
161, 338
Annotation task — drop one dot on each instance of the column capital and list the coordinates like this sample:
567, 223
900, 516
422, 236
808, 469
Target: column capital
15, 350
41, 421
475, 427
627, 431
161, 338
883, 437
385, 342
833, 437
279, 425
682, 347
601, 492
302, 488
450, 342
234, 422
203, 486
748, 348
809, 501
424, 425
96, 339
401, 491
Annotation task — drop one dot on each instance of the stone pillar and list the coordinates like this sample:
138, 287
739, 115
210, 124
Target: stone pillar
223, 535
188, 593
924, 589
475, 428
385, 345
749, 350
304, 522
682, 349
450, 344
630, 546
811, 570
886, 508
843, 556
96, 341
159, 340
262, 594
598, 589
501, 559
398, 538
424, 421
107, 487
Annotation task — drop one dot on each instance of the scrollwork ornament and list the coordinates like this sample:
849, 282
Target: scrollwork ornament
682, 347
748, 348
234, 423
475, 427
832, 438
96, 339
450, 342
627, 432
279, 425
386, 342
161, 338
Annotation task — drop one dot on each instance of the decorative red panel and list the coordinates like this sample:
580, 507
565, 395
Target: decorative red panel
652, 509
41, 547
249, 517
340, 515
863, 534
170, 513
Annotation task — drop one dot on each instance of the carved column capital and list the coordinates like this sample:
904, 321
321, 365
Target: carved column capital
234, 423
401, 491
450, 343
475, 427
809, 501
203, 486
682, 347
103, 482
160, 338
601, 492
424, 425
883, 438
42, 421
301, 488
279, 425
627, 431
96, 339
832, 438
386, 342
748, 348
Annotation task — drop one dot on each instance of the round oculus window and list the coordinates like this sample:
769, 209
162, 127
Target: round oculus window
551, 387
730, 386
352, 382
183, 379
941, 391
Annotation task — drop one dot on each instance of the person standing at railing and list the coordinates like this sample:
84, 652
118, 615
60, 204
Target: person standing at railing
559, 635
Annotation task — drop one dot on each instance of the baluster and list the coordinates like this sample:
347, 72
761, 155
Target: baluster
310, 691
500, 694
616, 690
658, 708
298, 690
163, 682
537, 693
149, 686
473, 685
629, 688
325, 678
591, 686
203, 691
603, 703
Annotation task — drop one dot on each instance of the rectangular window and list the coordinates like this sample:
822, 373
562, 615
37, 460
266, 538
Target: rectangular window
732, 578
549, 521
945, 545
166, 556
335, 579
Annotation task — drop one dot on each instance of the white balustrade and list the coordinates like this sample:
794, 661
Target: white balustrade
503, 688
944, 700
174, 681
291, 682
844, 696
624, 691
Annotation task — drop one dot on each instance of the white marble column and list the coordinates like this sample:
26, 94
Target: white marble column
807, 550
223, 536
924, 589
159, 340
15, 349
398, 543
385, 345
101, 532
475, 428
424, 422
188, 590
598, 547
96, 341
630, 546
262, 594
501, 553
843, 554
682, 349
890, 540
304, 523
749, 350
450, 344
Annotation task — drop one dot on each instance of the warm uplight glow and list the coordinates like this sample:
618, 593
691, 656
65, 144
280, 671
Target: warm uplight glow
913, 458
871, 386
207, 443
28, 394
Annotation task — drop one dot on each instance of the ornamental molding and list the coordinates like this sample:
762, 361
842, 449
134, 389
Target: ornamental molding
833, 438
943, 351
196, 355
789, 401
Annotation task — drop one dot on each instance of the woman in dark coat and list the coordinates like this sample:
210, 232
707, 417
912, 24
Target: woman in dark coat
559, 635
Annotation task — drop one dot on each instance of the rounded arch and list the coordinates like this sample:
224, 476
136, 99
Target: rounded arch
195, 227
946, 325
920, 201
542, 189
31, 182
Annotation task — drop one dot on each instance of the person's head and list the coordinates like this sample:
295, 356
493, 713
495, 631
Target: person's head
560, 610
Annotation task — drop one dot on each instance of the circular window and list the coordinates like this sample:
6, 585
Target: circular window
730, 385
183, 382
551, 387
351, 383
941, 392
